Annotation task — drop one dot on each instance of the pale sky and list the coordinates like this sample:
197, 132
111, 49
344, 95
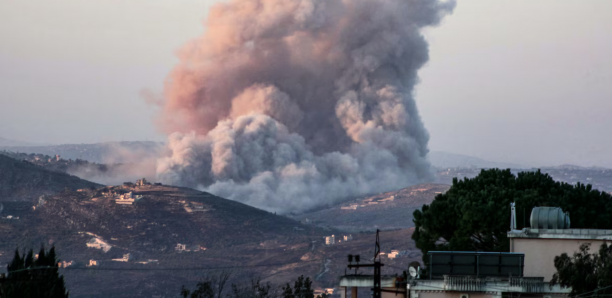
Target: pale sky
524, 81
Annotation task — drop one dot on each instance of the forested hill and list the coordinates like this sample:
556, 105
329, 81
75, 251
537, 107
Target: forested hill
23, 181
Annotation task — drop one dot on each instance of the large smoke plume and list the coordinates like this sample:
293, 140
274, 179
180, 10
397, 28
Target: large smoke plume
290, 104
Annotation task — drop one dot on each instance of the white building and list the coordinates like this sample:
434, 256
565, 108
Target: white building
330, 240
127, 198
97, 243
126, 257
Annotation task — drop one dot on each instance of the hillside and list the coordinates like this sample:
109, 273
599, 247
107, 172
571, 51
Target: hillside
389, 210
214, 231
23, 181
4, 142
109, 174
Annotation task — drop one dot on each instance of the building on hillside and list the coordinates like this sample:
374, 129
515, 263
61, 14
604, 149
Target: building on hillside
191, 206
92, 263
64, 264
125, 258
393, 254
97, 243
348, 238
180, 247
127, 198
330, 240
142, 182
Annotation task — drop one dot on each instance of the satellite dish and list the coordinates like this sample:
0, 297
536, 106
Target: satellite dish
412, 271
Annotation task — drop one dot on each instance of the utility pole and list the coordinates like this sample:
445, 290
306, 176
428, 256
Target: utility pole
376, 289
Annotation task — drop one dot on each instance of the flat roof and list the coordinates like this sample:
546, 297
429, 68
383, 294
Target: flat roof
586, 234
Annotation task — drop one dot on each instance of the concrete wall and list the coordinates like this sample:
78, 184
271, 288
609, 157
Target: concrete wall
540, 253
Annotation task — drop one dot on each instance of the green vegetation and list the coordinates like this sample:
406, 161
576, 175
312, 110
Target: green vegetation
589, 275
31, 277
474, 214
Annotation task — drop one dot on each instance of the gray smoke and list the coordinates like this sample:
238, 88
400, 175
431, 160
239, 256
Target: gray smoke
290, 104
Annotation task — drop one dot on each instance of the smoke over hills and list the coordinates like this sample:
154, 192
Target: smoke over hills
286, 104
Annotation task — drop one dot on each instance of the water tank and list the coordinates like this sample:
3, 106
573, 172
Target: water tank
549, 218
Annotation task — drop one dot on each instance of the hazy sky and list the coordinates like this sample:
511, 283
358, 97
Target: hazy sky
517, 81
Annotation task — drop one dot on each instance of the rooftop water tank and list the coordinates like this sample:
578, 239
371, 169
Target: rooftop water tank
549, 218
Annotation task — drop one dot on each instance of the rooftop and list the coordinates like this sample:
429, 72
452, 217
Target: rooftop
588, 234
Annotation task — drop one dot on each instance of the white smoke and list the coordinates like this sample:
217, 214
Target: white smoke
290, 104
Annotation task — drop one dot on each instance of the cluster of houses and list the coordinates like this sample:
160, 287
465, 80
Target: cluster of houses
331, 240
127, 198
183, 247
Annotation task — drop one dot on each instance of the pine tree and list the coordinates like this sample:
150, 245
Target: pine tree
33, 278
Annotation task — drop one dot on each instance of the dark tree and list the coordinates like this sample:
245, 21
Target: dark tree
587, 274
302, 288
29, 277
287, 291
474, 214
256, 289
211, 286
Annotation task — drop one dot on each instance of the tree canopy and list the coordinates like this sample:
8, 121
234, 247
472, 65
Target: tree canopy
302, 288
34, 277
589, 275
474, 214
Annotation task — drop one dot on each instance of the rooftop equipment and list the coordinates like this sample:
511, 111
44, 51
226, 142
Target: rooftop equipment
500, 264
549, 218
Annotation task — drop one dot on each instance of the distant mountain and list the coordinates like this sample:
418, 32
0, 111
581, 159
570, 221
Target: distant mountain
441, 159
8, 142
23, 181
109, 152
388, 210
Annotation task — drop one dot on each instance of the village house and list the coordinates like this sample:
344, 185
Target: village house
97, 243
142, 182
330, 240
127, 198
125, 258
92, 263
64, 264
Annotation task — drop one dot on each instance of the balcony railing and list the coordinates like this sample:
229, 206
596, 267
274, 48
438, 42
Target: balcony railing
527, 284
483, 284
464, 283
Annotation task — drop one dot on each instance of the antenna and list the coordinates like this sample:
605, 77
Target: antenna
377, 245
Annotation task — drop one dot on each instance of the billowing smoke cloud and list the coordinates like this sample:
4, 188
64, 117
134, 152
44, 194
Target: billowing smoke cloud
290, 104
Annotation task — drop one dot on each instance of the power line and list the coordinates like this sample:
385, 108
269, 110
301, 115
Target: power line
598, 289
